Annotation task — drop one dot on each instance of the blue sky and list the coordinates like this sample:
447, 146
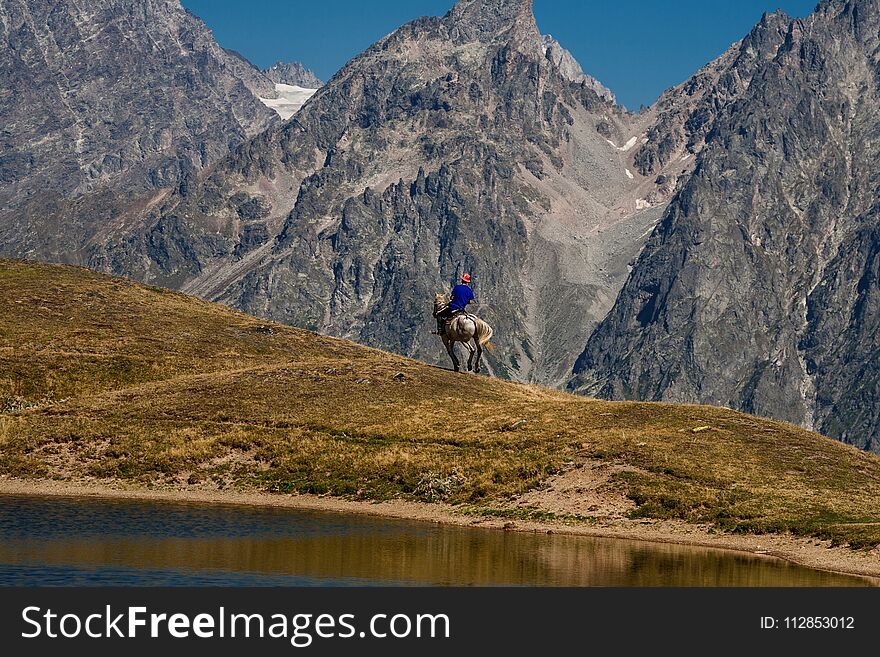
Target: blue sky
637, 48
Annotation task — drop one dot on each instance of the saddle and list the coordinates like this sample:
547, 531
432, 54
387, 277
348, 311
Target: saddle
452, 314
443, 322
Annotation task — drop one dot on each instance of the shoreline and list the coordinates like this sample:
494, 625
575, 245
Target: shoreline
812, 553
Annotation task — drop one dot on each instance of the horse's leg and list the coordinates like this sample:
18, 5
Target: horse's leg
450, 349
470, 355
479, 357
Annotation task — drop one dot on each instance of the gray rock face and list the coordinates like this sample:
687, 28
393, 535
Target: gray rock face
571, 70
254, 79
452, 144
292, 73
686, 113
758, 290
106, 106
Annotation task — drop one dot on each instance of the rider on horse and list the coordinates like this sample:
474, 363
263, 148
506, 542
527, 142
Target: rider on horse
461, 296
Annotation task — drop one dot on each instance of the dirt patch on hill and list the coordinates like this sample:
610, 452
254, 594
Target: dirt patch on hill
586, 490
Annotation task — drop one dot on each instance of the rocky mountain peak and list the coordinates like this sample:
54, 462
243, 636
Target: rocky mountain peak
491, 15
487, 20
765, 30
293, 73
571, 70
108, 105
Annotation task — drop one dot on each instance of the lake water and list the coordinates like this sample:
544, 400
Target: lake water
46, 541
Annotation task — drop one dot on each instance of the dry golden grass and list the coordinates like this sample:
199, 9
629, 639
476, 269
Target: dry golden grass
102, 377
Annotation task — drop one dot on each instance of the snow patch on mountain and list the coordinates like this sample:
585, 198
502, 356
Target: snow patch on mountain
627, 146
290, 99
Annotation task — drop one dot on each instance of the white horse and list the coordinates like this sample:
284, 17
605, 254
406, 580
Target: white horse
463, 328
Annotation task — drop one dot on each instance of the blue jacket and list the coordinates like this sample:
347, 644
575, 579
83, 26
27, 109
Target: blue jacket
462, 295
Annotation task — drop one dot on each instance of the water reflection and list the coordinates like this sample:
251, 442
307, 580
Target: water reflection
83, 541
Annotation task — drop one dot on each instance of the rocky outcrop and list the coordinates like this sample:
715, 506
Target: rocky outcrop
758, 290
259, 84
685, 113
570, 69
108, 105
293, 73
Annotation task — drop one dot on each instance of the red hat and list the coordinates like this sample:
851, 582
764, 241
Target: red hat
465, 278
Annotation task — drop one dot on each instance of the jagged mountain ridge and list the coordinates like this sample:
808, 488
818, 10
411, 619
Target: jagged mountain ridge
686, 113
758, 290
293, 73
571, 70
453, 143
108, 106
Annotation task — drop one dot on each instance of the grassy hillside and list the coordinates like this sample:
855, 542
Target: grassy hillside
104, 378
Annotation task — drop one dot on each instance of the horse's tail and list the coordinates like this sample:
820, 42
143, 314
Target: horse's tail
483, 334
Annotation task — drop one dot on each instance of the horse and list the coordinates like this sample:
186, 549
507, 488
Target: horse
463, 328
